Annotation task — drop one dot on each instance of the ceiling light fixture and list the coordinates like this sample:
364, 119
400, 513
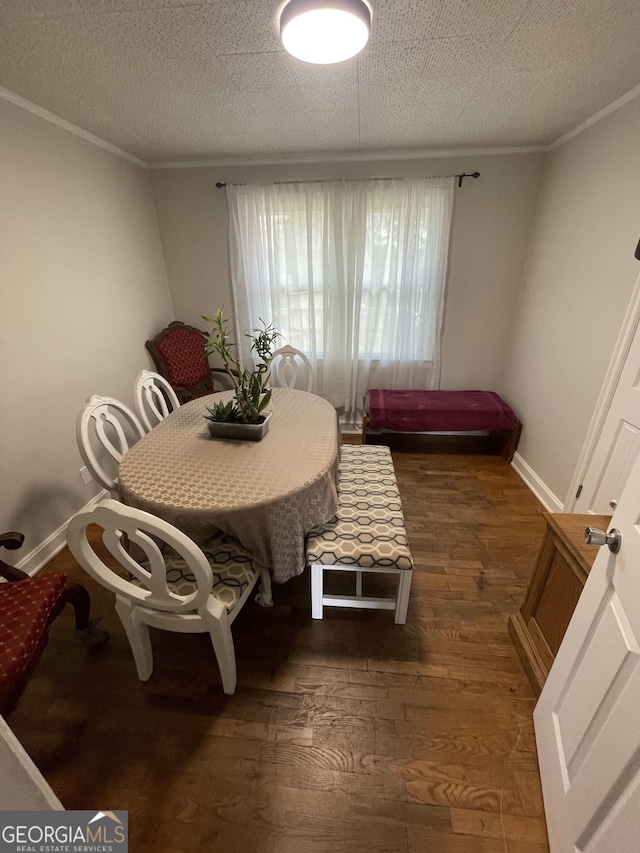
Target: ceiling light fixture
325, 31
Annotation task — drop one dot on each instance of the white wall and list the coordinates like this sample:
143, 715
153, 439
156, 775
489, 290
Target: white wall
492, 221
578, 282
83, 285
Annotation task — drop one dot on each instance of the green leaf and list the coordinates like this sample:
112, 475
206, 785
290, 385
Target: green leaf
265, 401
225, 412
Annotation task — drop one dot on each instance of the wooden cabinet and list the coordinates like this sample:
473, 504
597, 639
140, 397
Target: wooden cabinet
562, 567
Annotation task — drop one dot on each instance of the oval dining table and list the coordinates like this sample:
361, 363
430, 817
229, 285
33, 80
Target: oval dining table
267, 494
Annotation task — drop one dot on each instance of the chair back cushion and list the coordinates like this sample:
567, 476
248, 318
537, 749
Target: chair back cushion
178, 352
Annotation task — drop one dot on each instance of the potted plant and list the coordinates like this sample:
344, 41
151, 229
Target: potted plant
244, 416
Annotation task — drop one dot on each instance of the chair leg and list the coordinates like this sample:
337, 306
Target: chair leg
78, 597
264, 597
317, 581
222, 642
402, 601
138, 635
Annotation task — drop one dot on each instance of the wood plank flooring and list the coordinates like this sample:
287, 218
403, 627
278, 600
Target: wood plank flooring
348, 734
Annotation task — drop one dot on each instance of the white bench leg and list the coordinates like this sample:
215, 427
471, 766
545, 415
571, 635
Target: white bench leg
317, 579
402, 602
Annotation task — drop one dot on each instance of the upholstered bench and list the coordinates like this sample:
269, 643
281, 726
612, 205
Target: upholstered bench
367, 534
449, 421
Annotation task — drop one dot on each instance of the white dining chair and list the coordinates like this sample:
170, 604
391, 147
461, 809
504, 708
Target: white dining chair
289, 367
107, 422
154, 398
193, 591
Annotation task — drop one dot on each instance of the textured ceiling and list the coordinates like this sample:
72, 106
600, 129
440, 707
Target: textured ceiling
166, 80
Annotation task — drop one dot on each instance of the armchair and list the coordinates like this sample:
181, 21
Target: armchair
178, 354
28, 606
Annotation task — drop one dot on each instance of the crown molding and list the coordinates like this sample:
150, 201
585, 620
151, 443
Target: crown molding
334, 157
6, 95
351, 158
596, 117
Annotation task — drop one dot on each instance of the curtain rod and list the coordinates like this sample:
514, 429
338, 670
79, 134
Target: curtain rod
460, 178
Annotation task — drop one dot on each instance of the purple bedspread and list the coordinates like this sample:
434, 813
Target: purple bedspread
438, 411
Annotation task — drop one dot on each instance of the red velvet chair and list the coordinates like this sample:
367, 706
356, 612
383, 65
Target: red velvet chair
28, 606
178, 354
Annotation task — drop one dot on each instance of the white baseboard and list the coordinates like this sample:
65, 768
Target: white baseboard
32, 562
544, 494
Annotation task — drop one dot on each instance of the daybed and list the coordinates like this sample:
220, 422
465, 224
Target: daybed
441, 421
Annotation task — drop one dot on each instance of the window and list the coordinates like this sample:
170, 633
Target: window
352, 273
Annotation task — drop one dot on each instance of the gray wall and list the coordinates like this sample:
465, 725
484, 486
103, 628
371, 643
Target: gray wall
492, 221
578, 282
83, 286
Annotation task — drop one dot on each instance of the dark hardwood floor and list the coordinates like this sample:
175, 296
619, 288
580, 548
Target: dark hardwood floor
348, 734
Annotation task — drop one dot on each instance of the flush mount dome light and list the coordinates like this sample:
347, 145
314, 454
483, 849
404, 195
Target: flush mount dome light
325, 31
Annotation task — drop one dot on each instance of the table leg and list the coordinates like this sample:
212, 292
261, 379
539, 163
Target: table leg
264, 597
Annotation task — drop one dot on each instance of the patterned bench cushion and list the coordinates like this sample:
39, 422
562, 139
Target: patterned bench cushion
232, 569
368, 530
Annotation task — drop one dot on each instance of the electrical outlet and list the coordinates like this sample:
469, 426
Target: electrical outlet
85, 476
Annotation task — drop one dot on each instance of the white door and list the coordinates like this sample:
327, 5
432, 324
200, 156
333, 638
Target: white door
587, 719
619, 441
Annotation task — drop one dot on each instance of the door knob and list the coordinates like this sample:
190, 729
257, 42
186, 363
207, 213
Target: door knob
612, 539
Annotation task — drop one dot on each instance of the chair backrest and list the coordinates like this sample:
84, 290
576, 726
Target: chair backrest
286, 365
155, 398
178, 354
105, 419
121, 523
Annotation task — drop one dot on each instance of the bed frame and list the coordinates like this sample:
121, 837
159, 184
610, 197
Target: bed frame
498, 442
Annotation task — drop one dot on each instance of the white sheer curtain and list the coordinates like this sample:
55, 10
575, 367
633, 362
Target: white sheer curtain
351, 272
